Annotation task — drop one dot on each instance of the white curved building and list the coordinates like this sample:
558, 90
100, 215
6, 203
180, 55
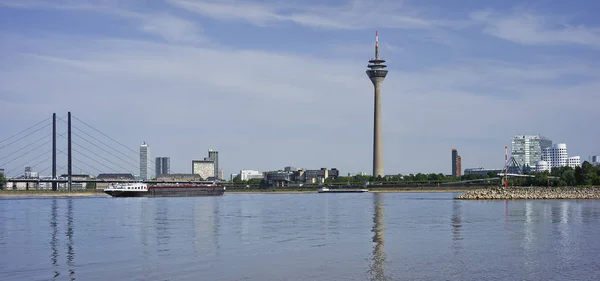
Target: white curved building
541, 166
557, 156
574, 161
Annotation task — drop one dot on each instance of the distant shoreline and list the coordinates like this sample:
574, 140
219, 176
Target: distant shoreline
95, 193
279, 191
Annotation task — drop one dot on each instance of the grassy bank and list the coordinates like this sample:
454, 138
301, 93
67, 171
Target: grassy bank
50, 193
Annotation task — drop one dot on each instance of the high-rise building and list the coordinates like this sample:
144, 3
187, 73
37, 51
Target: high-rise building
377, 72
527, 149
456, 163
162, 166
144, 161
214, 156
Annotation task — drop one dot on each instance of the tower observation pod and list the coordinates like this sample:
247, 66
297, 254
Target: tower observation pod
377, 74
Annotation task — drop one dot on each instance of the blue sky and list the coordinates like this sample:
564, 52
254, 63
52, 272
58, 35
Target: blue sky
275, 83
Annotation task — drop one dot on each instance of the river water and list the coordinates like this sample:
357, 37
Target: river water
368, 236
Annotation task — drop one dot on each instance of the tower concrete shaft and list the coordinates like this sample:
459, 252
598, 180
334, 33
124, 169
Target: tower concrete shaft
377, 138
377, 74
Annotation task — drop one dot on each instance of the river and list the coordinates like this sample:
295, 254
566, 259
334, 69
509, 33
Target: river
368, 236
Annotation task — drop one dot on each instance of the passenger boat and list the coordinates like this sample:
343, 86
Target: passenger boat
139, 189
336, 190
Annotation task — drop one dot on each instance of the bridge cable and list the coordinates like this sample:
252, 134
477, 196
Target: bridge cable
128, 156
25, 130
99, 156
83, 162
29, 145
26, 153
24, 136
137, 153
110, 168
36, 158
88, 173
93, 159
134, 165
78, 129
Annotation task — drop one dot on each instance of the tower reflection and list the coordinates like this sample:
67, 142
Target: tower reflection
376, 270
456, 225
54, 238
70, 232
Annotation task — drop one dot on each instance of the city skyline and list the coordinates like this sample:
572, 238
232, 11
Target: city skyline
465, 77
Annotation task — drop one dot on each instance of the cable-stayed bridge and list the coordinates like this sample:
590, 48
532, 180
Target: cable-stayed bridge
64, 150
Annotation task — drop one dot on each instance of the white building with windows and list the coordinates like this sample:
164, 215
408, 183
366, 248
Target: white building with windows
574, 161
542, 166
528, 149
144, 161
250, 174
557, 156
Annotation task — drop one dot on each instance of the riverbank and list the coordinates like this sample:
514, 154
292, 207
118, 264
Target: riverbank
314, 190
529, 193
49, 193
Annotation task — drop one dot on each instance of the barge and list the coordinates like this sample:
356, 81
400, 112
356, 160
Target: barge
336, 190
139, 189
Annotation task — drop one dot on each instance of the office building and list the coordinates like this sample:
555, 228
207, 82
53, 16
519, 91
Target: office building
250, 174
162, 166
204, 168
456, 163
595, 160
214, 156
144, 161
527, 149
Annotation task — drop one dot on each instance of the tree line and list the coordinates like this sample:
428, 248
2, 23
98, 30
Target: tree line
586, 175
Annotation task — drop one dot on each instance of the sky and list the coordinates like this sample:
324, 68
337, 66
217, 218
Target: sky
274, 83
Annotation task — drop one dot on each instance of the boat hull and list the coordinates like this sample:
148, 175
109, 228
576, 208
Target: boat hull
344, 191
170, 192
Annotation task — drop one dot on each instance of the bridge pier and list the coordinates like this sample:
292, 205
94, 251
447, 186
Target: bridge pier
69, 162
54, 184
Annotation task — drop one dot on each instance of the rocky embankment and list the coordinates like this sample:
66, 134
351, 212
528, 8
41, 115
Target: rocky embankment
513, 193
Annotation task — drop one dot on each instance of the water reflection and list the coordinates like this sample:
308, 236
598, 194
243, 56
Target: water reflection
70, 250
54, 238
564, 233
456, 225
528, 240
376, 271
161, 222
206, 224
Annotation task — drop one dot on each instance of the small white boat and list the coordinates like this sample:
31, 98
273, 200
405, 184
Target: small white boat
336, 190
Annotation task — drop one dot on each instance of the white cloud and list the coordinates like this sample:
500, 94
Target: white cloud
166, 26
530, 29
354, 15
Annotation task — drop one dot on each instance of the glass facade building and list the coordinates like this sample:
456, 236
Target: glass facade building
528, 149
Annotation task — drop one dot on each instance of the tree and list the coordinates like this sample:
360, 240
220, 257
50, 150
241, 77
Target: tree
90, 185
2, 181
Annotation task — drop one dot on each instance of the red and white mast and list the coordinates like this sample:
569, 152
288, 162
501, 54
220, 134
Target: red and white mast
376, 44
506, 165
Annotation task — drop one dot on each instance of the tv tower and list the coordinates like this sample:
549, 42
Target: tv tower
377, 73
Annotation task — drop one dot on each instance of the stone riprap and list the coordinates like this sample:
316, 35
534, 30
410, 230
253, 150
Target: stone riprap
515, 193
